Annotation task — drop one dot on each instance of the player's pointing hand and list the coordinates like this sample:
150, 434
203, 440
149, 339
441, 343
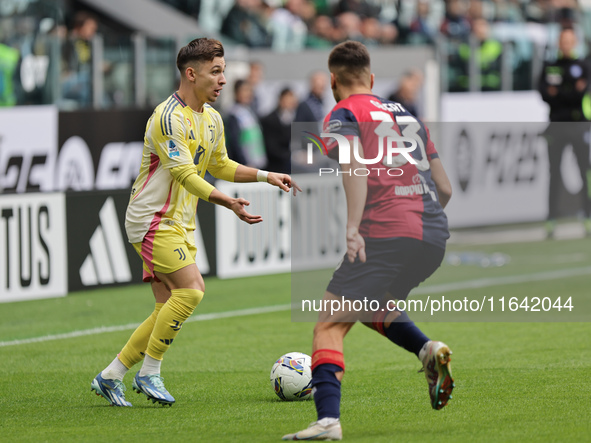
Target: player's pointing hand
283, 181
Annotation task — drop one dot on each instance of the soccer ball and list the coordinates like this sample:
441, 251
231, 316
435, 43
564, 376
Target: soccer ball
291, 376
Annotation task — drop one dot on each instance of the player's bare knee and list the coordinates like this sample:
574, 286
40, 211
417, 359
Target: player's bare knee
333, 329
323, 329
200, 283
195, 281
320, 329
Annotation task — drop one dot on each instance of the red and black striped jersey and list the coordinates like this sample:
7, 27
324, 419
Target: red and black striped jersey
402, 199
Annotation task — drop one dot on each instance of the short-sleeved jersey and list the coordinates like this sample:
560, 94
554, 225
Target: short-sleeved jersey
175, 136
402, 199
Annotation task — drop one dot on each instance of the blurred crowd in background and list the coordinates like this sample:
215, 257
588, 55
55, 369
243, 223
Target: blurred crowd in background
297, 24
460, 30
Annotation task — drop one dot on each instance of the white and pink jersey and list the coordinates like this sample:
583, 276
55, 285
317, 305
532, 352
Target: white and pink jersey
175, 136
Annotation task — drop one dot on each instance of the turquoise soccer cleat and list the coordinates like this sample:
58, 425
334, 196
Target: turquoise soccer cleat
152, 386
110, 390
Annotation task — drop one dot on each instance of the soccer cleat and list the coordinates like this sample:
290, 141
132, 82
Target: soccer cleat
317, 431
110, 390
152, 386
436, 358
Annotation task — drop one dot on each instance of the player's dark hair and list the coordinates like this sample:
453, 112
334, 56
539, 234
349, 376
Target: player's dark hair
350, 62
199, 50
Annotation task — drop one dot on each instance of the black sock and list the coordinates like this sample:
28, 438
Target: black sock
327, 390
404, 333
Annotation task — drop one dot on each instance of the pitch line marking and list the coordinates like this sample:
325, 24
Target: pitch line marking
499, 281
435, 289
131, 326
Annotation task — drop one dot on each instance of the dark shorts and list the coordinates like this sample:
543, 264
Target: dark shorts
393, 266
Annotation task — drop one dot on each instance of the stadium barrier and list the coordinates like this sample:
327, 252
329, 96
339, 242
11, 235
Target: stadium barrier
55, 243
64, 189
301, 233
44, 150
98, 251
33, 257
499, 172
493, 147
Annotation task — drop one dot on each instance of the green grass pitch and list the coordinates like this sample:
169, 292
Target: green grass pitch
515, 381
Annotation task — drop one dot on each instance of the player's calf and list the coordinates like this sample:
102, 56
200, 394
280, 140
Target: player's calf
397, 327
170, 319
169, 322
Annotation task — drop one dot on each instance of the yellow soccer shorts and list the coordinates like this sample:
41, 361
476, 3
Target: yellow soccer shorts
166, 250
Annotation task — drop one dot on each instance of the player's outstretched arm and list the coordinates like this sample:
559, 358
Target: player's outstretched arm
237, 205
246, 174
196, 185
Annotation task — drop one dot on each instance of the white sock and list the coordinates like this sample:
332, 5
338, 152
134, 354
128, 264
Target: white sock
423, 351
151, 366
115, 371
328, 421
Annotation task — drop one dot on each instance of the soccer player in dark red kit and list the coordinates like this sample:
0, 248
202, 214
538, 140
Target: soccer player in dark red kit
396, 233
